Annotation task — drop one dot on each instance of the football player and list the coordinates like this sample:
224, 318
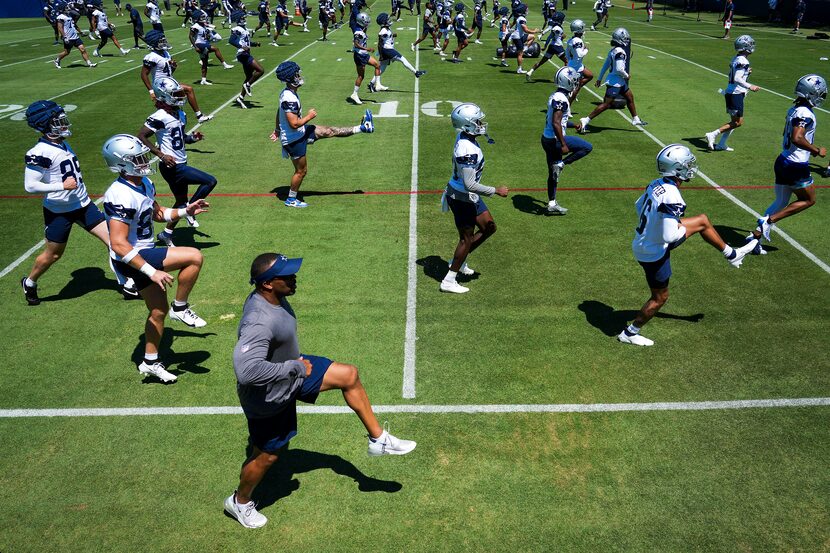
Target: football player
158, 63
295, 134
522, 36
50, 14
326, 17
554, 141
52, 169
554, 45
429, 27
728, 13
241, 39
504, 33
282, 21
202, 37
264, 11
362, 54
153, 13
131, 207
106, 31
478, 20
663, 227
463, 194
138, 25
649, 10
601, 9
739, 72
618, 63
792, 166
67, 28
444, 25
800, 8
168, 123
459, 26
575, 52
496, 13
386, 48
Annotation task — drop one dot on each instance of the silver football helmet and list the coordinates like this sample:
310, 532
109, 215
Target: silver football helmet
567, 78
577, 27
620, 37
169, 91
125, 154
812, 88
363, 20
676, 160
468, 118
745, 43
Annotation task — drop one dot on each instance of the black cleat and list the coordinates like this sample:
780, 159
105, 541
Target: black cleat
30, 292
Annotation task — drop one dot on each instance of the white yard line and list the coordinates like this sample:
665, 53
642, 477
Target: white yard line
412, 268
669, 28
435, 409
28, 60
787, 238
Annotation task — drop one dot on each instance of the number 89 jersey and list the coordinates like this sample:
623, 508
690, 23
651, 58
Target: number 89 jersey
660, 201
169, 130
56, 163
125, 202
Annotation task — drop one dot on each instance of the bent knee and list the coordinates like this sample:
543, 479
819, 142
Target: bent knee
490, 227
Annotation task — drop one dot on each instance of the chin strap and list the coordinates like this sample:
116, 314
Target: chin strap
489, 140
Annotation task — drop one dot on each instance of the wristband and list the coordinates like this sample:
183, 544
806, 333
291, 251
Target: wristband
151, 92
130, 255
148, 270
168, 214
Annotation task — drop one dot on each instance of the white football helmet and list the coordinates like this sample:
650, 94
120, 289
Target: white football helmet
125, 154
468, 118
676, 160
567, 78
169, 91
363, 20
745, 43
577, 27
812, 88
620, 37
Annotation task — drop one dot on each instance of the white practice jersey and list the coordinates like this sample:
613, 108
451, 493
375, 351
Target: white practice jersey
555, 36
70, 31
56, 163
103, 22
159, 65
459, 23
558, 101
170, 135
518, 31
362, 41
798, 116
202, 35
660, 201
617, 63
504, 27
575, 51
739, 71
465, 154
290, 103
125, 202
387, 41
153, 12
242, 37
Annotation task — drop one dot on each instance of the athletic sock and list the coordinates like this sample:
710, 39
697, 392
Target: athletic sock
408, 65
168, 231
724, 137
632, 330
728, 252
292, 193
198, 114
356, 89
151, 358
179, 305
450, 276
716, 132
530, 72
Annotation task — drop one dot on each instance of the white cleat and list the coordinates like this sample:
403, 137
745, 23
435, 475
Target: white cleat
191, 220
96, 53
521, 71
477, 41
188, 317
166, 238
247, 87
556, 209
465, 269
584, 123
710, 140
205, 118
764, 227
635, 340
241, 102
125, 51
742, 252
719, 148
246, 514
381, 88
227, 65
205, 82
158, 370
453, 287
387, 444
412, 46
355, 98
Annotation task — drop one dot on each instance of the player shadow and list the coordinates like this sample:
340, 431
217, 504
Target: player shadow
698, 142
540, 81
737, 236
529, 204
186, 236
250, 104
190, 361
84, 281
281, 481
611, 321
198, 151
437, 268
282, 192
362, 100
596, 129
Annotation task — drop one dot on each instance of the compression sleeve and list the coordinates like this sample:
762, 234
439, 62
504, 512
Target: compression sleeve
672, 230
34, 185
468, 174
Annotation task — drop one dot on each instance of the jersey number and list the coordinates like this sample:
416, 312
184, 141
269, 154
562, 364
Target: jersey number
176, 138
644, 217
144, 228
70, 168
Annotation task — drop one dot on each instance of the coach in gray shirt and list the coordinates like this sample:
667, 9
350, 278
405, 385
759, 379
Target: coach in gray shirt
272, 375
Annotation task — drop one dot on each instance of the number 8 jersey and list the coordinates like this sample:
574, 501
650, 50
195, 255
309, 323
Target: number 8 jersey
169, 130
56, 163
125, 202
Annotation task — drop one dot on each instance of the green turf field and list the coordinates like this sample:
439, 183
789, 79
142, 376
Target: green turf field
535, 333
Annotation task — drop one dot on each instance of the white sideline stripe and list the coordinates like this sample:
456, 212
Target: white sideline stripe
708, 69
34, 248
412, 257
435, 409
787, 238
74, 90
53, 56
669, 28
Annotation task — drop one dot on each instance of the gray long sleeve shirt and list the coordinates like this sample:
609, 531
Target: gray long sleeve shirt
265, 359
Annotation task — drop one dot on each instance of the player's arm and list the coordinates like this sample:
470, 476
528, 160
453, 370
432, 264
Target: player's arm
168, 214
619, 66
295, 121
33, 178
740, 78
144, 135
94, 21
145, 77
557, 129
119, 231
60, 29
467, 168
605, 67
250, 359
192, 37
799, 138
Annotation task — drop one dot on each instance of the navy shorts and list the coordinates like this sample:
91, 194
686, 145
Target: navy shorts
465, 213
245, 58
297, 149
158, 27
106, 33
181, 175
478, 22
361, 60
59, 225
658, 272
460, 36
735, 104
154, 256
792, 174
519, 43
389, 54
280, 24
69, 44
616, 91
553, 50
203, 50
263, 18
427, 31
270, 434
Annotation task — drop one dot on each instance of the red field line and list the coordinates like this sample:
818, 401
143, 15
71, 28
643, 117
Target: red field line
438, 191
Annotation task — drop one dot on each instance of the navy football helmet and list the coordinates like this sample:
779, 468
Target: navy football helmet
289, 73
156, 40
47, 117
382, 19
